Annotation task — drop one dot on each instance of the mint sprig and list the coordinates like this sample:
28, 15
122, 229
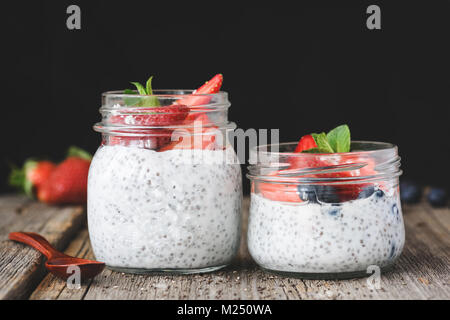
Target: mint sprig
336, 141
150, 101
339, 138
322, 142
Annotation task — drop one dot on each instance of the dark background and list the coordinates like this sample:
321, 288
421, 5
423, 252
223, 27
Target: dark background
302, 68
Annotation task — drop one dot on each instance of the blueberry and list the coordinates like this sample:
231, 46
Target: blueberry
318, 193
391, 254
437, 197
327, 194
379, 193
410, 192
395, 210
334, 211
307, 193
366, 192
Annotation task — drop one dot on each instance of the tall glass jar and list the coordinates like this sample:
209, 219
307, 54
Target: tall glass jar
164, 187
325, 216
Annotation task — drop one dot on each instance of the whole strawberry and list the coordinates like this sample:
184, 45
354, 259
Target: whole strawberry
31, 176
67, 183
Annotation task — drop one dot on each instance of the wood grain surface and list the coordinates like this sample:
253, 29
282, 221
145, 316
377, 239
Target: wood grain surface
21, 267
422, 272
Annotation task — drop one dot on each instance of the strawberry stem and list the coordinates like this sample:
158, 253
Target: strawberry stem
18, 178
78, 153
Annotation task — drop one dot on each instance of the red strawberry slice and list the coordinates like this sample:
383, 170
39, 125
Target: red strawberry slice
197, 119
306, 142
151, 116
211, 86
199, 133
156, 140
278, 192
345, 192
198, 138
148, 116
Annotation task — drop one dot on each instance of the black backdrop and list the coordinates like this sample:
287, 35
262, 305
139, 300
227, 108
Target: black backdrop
299, 68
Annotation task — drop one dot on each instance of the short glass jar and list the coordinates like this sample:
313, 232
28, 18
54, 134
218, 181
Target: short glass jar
165, 188
325, 216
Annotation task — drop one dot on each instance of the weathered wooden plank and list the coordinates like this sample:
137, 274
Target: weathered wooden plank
21, 267
422, 272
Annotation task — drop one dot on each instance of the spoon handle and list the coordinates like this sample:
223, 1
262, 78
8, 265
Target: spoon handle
36, 241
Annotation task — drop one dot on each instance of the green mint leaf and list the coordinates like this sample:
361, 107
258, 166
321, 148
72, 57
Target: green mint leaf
128, 100
140, 88
339, 138
149, 85
149, 102
322, 142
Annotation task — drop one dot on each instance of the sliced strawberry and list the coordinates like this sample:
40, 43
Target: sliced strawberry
197, 138
345, 192
199, 133
151, 116
334, 161
198, 115
200, 118
306, 142
278, 192
148, 116
211, 86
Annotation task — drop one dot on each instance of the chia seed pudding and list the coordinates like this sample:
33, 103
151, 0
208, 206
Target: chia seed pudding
151, 210
325, 215
165, 186
326, 238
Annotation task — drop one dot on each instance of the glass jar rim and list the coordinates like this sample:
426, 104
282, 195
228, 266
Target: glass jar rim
112, 101
115, 105
269, 168
166, 93
381, 147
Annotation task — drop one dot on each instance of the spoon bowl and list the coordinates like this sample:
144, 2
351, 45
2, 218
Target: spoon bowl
58, 263
64, 267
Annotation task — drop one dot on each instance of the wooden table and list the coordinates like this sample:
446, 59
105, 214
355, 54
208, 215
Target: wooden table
422, 272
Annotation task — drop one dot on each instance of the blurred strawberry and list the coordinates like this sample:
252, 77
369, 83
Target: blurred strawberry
31, 176
67, 183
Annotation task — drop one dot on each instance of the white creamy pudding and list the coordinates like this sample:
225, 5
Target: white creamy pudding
151, 210
321, 238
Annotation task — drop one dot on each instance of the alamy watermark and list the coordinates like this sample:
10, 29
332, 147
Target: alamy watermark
198, 142
374, 280
374, 20
73, 21
74, 280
